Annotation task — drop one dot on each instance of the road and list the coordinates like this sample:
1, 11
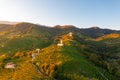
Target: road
37, 68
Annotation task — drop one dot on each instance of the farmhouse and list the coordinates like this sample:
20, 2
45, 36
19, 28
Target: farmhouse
10, 65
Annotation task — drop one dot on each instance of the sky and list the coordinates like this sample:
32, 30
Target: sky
80, 13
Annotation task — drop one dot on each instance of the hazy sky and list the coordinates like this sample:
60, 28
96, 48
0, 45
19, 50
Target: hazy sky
81, 13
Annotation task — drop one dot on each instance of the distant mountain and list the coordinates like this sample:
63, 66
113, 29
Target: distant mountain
95, 32
64, 26
7, 22
92, 32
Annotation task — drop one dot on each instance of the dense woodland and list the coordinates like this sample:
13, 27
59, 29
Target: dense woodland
87, 54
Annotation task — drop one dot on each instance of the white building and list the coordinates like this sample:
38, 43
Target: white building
33, 56
38, 50
60, 44
70, 34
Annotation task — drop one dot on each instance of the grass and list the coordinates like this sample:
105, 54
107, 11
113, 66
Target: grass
72, 61
22, 44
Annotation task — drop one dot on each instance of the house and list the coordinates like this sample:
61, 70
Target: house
70, 34
10, 65
38, 50
34, 54
60, 44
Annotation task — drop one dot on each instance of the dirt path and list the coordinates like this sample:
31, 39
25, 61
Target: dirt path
37, 69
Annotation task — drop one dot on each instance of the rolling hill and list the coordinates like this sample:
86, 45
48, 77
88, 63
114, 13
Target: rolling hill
87, 54
109, 36
96, 32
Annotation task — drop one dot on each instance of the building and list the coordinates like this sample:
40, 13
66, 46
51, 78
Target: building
33, 56
38, 50
70, 34
60, 44
10, 65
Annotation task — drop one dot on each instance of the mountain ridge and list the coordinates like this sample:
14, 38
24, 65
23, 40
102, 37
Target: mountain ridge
93, 32
8, 22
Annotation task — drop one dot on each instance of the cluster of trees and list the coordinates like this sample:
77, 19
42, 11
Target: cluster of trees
49, 70
104, 56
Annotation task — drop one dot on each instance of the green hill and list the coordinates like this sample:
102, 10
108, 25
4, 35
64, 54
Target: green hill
109, 36
79, 58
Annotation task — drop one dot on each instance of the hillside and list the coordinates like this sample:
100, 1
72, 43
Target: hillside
28, 34
96, 32
55, 62
109, 36
35, 51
